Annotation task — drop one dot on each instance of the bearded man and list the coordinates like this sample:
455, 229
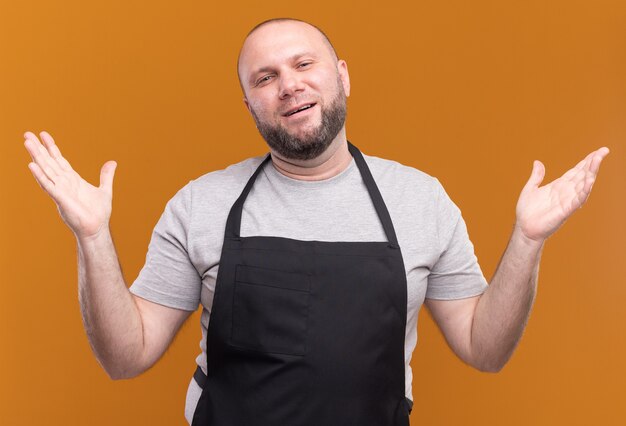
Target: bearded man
310, 263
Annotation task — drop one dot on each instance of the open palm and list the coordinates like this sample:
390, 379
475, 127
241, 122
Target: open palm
85, 208
542, 210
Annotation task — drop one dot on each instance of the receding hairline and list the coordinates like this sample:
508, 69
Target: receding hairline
279, 20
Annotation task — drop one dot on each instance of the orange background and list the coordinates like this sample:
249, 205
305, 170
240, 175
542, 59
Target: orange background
470, 92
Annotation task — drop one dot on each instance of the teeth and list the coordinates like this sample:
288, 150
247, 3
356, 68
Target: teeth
301, 109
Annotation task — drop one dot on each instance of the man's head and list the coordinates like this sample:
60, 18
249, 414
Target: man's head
294, 86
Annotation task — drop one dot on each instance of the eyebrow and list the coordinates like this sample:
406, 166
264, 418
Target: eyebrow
292, 58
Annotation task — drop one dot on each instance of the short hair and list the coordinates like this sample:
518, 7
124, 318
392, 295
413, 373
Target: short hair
274, 20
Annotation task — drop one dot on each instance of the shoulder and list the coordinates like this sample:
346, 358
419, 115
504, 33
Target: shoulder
223, 181
412, 190
235, 174
393, 175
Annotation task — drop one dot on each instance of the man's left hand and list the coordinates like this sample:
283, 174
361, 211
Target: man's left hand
542, 210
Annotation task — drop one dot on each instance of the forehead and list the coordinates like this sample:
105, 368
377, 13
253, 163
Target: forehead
277, 41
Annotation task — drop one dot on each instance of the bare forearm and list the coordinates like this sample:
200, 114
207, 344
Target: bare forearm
127, 334
484, 330
503, 310
110, 315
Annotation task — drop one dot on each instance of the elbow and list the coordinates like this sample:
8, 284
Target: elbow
490, 368
490, 365
490, 359
114, 375
122, 365
121, 372
117, 373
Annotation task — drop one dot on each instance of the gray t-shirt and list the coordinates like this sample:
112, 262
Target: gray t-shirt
184, 253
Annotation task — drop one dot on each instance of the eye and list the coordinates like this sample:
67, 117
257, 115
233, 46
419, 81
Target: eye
263, 79
304, 64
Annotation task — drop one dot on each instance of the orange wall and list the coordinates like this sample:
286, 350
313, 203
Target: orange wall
470, 92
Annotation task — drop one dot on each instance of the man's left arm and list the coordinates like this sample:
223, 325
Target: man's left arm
484, 330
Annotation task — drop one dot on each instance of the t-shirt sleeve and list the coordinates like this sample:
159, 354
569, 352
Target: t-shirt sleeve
456, 274
168, 276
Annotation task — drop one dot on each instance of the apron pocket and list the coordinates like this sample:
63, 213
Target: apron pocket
270, 310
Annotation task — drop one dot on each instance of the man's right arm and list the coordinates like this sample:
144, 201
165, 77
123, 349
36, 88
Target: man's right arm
127, 334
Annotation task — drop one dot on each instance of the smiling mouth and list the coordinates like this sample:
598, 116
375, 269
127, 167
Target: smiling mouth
298, 110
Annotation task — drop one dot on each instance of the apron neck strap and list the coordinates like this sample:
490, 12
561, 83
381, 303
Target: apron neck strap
233, 223
377, 199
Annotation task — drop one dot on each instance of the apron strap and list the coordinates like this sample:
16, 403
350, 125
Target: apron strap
200, 377
377, 199
233, 223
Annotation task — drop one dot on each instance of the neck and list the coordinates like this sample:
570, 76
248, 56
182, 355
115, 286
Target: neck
330, 163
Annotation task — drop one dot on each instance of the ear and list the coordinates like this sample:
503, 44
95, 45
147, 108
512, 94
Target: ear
342, 68
247, 104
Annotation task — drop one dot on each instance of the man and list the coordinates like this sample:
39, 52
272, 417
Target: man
324, 256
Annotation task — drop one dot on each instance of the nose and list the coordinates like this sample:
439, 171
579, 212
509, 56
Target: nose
290, 85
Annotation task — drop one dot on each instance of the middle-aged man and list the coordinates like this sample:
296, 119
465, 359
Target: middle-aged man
325, 256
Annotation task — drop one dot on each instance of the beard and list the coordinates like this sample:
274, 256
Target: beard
312, 143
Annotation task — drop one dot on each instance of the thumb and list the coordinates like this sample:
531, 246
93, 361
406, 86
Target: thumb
536, 176
106, 176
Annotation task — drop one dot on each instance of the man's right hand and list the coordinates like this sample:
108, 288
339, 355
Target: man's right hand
85, 208
127, 333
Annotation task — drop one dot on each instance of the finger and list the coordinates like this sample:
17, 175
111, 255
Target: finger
54, 151
586, 177
588, 184
50, 162
41, 178
585, 163
106, 176
574, 192
537, 175
594, 164
48, 142
41, 157
579, 166
31, 136
590, 176
46, 137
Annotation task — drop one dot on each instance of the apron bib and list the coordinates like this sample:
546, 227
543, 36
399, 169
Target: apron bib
306, 333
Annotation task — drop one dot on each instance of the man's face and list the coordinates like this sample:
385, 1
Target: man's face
294, 87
